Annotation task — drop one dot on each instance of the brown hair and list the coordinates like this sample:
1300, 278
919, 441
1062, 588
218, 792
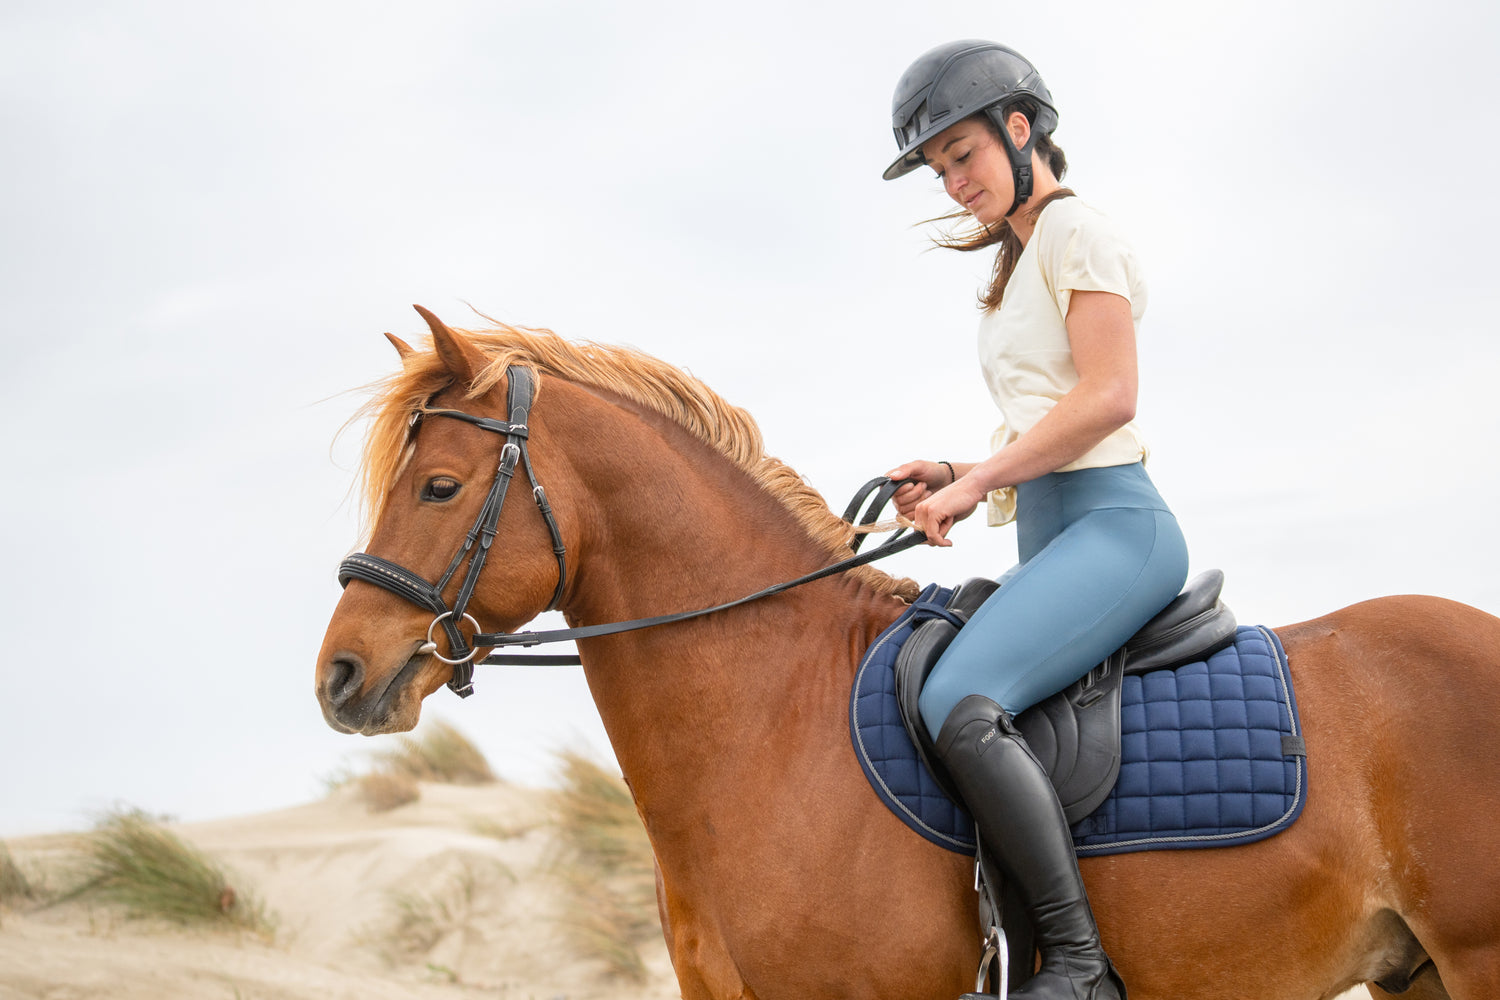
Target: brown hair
981, 237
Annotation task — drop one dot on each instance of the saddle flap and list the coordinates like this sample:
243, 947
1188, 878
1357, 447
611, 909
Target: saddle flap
913, 664
916, 660
1075, 735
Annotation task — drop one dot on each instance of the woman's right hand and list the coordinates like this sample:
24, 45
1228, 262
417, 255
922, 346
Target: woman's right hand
926, 478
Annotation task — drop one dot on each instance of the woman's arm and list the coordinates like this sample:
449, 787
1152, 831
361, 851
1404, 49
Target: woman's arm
1101, 335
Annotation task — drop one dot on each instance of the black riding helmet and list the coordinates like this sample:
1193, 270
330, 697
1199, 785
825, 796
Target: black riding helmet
959, 79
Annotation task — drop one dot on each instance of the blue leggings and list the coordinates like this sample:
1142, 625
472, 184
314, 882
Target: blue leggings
1100, 555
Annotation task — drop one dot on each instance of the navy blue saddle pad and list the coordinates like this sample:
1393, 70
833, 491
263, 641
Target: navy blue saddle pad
1212, 752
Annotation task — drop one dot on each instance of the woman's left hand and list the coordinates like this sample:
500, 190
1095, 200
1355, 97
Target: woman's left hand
936, 515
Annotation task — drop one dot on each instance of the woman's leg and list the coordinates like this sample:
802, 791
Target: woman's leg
1070, 605
1023, 829
1066, 609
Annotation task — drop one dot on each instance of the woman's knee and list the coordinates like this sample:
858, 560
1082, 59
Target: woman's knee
933, 706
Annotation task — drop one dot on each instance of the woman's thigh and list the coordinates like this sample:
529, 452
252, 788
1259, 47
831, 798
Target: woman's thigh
1066, 609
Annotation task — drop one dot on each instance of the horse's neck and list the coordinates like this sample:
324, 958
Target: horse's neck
674, 526
666, 522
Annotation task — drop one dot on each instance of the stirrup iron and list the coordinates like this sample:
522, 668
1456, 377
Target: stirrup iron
996, 958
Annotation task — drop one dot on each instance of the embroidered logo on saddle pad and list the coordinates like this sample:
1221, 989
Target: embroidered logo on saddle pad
1212, 753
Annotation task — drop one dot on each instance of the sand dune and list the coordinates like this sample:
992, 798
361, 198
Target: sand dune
471, 864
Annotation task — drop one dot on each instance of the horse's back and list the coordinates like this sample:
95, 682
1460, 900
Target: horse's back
1432, 663
1412, 621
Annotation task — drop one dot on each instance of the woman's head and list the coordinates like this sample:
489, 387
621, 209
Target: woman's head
993, 97
955, 82
973, 160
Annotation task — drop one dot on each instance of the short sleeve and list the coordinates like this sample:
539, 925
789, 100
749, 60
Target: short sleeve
1084, 251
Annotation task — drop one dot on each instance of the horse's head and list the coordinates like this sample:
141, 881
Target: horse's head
653, 479
436, 500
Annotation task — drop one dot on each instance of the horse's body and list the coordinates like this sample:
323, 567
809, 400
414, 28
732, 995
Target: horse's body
781, 874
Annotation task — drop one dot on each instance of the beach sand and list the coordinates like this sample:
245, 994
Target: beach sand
472, 864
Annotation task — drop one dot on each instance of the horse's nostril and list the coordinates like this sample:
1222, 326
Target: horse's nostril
345, 679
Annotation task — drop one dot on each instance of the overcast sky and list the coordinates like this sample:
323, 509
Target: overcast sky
211, 211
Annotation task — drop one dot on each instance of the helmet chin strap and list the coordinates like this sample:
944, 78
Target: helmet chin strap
1020, 160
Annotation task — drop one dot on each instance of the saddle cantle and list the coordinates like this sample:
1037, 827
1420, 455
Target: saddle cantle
1075, 733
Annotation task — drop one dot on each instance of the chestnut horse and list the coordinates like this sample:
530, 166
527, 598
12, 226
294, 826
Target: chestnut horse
780, 874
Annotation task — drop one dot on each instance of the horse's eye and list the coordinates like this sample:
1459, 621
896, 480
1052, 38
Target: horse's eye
440, 489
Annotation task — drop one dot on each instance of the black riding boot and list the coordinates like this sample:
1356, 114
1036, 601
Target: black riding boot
1022, 825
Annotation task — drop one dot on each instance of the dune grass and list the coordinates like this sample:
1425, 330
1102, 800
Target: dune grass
383, 790
414, 923
422, 919
440, 753
605, 866
14, 885
134, 862
497, 829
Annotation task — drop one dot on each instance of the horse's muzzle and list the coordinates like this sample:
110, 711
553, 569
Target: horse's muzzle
349, 708
339, 688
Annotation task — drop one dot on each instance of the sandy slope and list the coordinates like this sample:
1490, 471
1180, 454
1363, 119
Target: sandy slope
330, 873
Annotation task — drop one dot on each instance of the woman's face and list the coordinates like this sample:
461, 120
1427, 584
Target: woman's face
974, 168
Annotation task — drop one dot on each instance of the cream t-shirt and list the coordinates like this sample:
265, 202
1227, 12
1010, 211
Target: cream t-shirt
1023, 345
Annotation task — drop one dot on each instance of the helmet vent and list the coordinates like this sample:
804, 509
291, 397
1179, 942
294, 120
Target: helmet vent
914, 125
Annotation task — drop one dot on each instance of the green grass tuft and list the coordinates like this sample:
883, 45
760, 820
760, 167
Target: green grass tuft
606, 866
132, 861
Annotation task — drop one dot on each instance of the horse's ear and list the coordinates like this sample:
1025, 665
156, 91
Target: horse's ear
459, 356
402, 347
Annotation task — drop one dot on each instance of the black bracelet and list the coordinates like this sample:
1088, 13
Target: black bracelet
952, 476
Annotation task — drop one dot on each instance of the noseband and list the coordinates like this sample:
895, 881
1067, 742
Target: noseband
476, 546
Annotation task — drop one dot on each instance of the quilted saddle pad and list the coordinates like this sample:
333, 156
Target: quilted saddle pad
1212, 752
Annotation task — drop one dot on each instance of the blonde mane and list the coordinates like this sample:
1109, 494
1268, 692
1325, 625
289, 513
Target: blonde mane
638, 377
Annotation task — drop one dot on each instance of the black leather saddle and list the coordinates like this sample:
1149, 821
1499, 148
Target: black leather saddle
1075, 733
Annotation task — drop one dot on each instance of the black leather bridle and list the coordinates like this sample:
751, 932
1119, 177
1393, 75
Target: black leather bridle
410, 586
476, 546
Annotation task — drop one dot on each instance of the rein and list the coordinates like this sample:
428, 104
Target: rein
497, 639
414, 588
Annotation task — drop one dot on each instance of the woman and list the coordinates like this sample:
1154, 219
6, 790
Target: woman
1100, 553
